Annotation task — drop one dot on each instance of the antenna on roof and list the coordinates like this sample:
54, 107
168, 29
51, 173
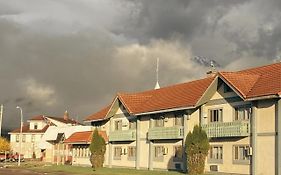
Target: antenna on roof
212, 71
157, 86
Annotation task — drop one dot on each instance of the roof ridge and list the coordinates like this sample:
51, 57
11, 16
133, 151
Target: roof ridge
259, 67
165, 87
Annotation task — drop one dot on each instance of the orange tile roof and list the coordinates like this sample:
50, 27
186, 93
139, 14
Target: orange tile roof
26, 129
256, 82
176, 96
84, 137
39, 117
99, 115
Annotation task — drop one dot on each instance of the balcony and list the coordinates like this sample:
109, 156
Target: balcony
158, 133
122, 135
227, 129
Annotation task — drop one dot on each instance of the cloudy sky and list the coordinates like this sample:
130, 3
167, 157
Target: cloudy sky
59, 55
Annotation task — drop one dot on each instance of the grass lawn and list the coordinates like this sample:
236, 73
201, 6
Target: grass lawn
101, 171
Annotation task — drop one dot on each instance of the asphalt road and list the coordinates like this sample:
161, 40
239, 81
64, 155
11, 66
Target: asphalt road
11, 171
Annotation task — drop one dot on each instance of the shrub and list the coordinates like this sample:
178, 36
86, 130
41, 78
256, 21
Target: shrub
97, 148
197, 147
4, 144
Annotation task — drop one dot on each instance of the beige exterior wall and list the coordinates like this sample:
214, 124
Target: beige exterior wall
168, 161
144, 143
194, 120
266, 137
27, 147
123, 161
227, 164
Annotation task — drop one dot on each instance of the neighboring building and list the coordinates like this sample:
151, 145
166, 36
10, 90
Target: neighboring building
78, 147
32, 132
240, 112
52, 145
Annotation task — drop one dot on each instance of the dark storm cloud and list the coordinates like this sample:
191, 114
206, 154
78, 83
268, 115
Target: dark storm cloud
185, 18
76, 55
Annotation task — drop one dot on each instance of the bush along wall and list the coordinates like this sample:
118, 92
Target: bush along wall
97, 148
197, 147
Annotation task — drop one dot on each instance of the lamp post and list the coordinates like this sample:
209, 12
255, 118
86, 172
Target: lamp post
21, 123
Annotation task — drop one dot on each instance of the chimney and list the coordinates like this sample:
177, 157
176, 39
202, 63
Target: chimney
65, 116
212, 72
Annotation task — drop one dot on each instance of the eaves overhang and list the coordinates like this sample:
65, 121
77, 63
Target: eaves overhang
164, 110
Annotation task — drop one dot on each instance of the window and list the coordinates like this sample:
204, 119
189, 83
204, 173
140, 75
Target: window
159, 122
32, 138
226, 88
241, 154
178, 120
215, 115
178, 153
118, 125
23, 138
17, 138
117, 153
132, 124
158, 153
216, 154
35, 125
131, 152
242, 113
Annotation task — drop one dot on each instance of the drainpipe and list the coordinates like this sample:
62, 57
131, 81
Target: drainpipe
150, 160
110, 146
185, 132
254, 138
138, 144
279, 136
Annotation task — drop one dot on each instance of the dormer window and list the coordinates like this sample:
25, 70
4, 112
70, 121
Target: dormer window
35, 125
215, 115
118, 125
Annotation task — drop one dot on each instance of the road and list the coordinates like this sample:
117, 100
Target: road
11, 171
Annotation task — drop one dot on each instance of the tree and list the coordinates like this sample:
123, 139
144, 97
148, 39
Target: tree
97, 148
4, 144
197, 147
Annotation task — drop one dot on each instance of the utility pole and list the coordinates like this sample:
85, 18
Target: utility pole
1, 116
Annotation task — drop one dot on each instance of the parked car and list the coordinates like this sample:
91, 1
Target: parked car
15, 157
2, 157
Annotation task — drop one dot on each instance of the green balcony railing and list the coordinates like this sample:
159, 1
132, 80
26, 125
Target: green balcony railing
158, 133
124, 135
227, 129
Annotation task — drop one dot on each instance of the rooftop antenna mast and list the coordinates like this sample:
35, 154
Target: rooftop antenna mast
157, 86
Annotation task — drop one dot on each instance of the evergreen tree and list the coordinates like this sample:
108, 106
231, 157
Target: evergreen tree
197, 147
97, 148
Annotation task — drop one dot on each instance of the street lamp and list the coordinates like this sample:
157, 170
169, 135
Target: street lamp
21, 123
